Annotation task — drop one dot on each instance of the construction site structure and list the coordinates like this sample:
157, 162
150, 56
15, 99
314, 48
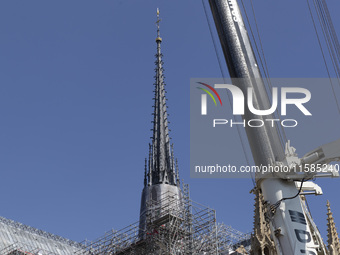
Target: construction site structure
187, 228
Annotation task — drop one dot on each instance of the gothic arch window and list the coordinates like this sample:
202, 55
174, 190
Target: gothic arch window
266, 251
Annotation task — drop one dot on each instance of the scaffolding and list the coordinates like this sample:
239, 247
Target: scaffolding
173, 226
230, 239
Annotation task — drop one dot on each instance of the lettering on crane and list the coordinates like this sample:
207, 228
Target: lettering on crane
233, 10
297, 217
307, 252
302, 235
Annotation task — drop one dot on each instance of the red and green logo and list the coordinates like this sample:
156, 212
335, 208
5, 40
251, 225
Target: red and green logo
209, 93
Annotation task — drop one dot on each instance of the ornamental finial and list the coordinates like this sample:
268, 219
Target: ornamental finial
158, 39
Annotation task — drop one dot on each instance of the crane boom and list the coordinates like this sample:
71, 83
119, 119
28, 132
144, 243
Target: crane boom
291, 231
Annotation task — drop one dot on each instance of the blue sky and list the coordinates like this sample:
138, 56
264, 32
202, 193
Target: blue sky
75, 103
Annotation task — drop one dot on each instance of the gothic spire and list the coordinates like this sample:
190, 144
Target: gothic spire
261, 239
332, 234
161, 162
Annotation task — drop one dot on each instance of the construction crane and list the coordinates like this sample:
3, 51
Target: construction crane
293, 230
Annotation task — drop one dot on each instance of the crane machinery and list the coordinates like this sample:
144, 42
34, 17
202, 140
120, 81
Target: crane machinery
293, 230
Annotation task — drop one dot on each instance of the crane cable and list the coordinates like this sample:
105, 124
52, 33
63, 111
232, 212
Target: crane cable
322, 51
273, 207
329, 34
331, 27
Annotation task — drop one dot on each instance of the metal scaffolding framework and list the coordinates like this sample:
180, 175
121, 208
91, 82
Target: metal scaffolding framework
172, 227
230, 239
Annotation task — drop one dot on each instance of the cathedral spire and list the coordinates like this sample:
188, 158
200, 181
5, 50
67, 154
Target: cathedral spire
161, 162
332, 234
